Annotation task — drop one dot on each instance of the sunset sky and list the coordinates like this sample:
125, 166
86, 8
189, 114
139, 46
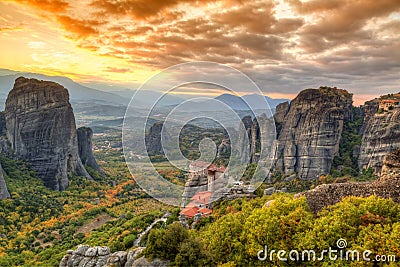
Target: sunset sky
283, 45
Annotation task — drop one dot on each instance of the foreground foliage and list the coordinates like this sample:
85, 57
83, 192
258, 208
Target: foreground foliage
244, 227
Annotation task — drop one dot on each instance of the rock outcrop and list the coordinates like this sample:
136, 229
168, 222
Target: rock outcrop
3, 186
88, 256
85, 255
3, 128
224, 149
41, 129
255, 141
311, 131
370, 108
243, 133
253, 132
381, 136
153, 139
234, 192
387, 186
279, 116
85, 148
5, 146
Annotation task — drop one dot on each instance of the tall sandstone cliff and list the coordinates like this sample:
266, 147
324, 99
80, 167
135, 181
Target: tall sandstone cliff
279, 116
311, 127
251, 130
153, 139
381, 135
41, 129
85, 148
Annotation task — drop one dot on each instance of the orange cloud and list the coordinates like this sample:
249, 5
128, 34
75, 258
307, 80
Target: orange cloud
81, 28
46, 5
117, 70
287, 44
140, 9
9, 28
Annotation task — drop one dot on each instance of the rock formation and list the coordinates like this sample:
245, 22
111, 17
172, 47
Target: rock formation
88, 256
253, 132
387, 186
3, 186
85, 148
381, 136
224, 149
255, 141
85, 255
234, 192
41, 129
5, 146
243, 133
311, 131
279, 116
153, 139
370, 108
3, 128
195, 183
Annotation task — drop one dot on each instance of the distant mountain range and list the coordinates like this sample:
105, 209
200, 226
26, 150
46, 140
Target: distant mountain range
253, 100
80, 95
76, 91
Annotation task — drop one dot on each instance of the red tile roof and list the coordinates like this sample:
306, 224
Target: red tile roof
205, 211
202, 197
190, 211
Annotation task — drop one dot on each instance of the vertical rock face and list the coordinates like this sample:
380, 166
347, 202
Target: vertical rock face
253, 133
370, 108
311, 131
41, 129
4, 149
281, 111
3, 187
153, 139
5, 146
85, 148
244, 146
381, 136
3, 128
255, 144
279, 116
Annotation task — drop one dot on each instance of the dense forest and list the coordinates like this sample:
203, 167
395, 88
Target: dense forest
240, 229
